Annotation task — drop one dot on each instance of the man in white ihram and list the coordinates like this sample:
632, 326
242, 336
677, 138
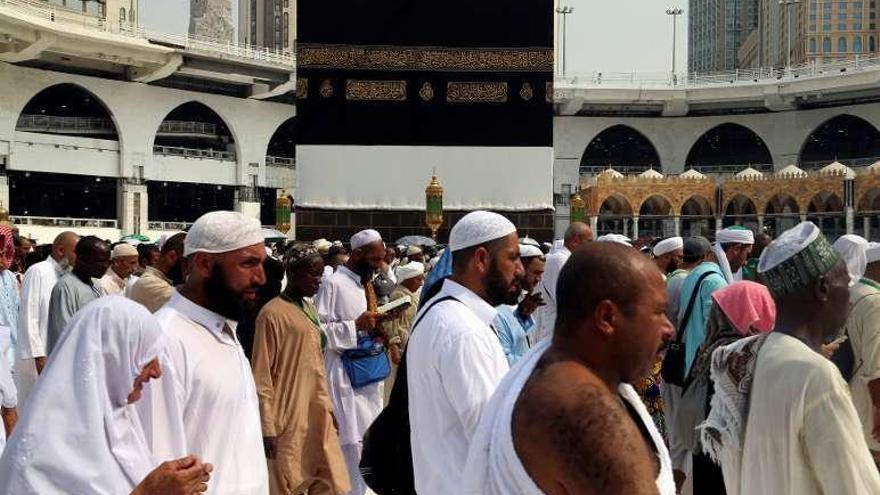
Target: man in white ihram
213, 399
455, 360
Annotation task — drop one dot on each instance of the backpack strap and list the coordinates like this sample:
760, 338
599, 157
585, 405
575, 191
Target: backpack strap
682, 324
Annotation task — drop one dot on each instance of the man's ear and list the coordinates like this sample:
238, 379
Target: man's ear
605, 317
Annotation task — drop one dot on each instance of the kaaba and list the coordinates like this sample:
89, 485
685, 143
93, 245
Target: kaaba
391, 92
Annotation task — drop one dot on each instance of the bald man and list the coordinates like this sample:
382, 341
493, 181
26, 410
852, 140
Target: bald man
33, 314
575, 423
577, 234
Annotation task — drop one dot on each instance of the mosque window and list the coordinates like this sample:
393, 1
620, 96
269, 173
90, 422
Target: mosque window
871, 45
826, 45
812, 45
122, 15
841, 45
857, 44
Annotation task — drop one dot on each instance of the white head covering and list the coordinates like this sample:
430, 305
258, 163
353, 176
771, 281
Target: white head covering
413, 250
479, 227
80, 433
731, 235
529, 251
668, 245
409, 270
222, 232
797, 258
853, 249
615, 238
528, 241
365, 237
123, 250
322, 245
873, 252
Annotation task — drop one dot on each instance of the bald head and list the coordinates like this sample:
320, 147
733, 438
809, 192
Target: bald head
64, 248
576, 234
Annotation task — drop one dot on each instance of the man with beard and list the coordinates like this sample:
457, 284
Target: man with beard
77, 288
212, 397
565, 419
120, 276
668, 254
347, 304
515, 321
148, 255
153, 289
33, 313
454, 357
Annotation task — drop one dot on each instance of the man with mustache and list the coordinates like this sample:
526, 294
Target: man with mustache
154, 287
454, 355
212, 399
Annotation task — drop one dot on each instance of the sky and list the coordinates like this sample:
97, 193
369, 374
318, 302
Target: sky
602, 35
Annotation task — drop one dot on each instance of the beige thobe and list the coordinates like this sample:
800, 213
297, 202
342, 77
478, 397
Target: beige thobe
863, 328
400, 328
295, 406
152, 290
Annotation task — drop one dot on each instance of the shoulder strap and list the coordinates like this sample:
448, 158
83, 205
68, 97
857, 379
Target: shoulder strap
427, 310
682, 324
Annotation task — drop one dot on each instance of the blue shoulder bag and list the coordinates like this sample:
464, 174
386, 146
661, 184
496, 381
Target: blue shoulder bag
366, 364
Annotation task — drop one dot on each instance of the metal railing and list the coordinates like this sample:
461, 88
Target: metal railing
739, 77
185, 127
280, 161
66, 17
178, 226
194, 153
55, 123
732, 169
849, 162
102, 223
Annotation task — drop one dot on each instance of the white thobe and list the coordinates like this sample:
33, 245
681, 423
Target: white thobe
112, 283
33, 321
454, 363
493, 467
8, 392
802, 436
340, 301
545, 316
863, 328
216, 399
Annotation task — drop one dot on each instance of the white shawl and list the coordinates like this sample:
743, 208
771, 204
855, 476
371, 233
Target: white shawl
80, 435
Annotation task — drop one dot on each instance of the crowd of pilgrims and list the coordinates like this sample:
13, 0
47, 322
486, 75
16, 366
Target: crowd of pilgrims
497, 365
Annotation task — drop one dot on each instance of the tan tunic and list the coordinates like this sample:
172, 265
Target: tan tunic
863, 328
399, 328
152, 290
295, 406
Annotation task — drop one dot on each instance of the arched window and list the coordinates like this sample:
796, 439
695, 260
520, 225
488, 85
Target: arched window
841, 45
857, 44
286, 26
812, 45
122, 15
826, 45
871, 46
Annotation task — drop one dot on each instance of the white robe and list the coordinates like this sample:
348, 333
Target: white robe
454, 363
213, 400
81, 435
863, 328
545, 316
33, 321
802, 436
493, 466
8, 392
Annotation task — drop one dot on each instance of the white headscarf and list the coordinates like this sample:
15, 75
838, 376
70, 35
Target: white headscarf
853, 249
80, 434
731, 235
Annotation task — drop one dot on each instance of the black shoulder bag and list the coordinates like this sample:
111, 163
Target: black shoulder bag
672, 369
386, 460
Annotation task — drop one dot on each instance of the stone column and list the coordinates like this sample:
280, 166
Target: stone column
635, 227
247, 202
760, 224
718, 225
594, 224
625, 227
4, 193
803, 217
677, 220
132, 207
850, 220
866, 227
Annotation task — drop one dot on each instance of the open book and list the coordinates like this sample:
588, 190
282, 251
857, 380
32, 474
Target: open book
391, 306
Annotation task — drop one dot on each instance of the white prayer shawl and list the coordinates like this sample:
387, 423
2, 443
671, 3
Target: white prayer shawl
493, 466
81, 435
340, 301
725, 265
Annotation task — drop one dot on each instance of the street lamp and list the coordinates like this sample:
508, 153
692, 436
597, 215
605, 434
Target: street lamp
674, 12
563, 11
434, 206
788, 4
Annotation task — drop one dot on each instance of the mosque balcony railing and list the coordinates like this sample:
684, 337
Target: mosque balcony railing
849, 162
194, 153
186, 127
102, 223
62, 16
169, 226
280, 161
59, 124
732, 169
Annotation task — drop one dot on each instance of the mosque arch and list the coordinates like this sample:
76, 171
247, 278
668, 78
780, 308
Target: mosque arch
696, 216
68, 109
740, 205
195, 129
782, 204
282, 144
697, 206
728, 144
867, 209
623, 148
615, 204
844, 137
656, 205
869, 201
826, 210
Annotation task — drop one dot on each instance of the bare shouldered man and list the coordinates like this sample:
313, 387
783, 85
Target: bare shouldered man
565, 420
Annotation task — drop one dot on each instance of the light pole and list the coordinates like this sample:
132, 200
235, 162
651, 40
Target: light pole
563, 11
675, 12
788, 4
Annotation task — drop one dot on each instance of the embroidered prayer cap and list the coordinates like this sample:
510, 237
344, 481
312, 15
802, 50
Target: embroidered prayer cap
297, 253
873, 252
695, 248
529, 242
796, 259
222, 232
529, 251
413, 250
364, 237
616, 238
122, 250
479, 227
735, 235
668, 245
853, 249
410, 270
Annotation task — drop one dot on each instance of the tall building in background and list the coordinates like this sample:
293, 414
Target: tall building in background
717, 30
212, 19
267, 23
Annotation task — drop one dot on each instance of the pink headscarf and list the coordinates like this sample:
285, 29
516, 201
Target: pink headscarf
8, 246
747, 305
